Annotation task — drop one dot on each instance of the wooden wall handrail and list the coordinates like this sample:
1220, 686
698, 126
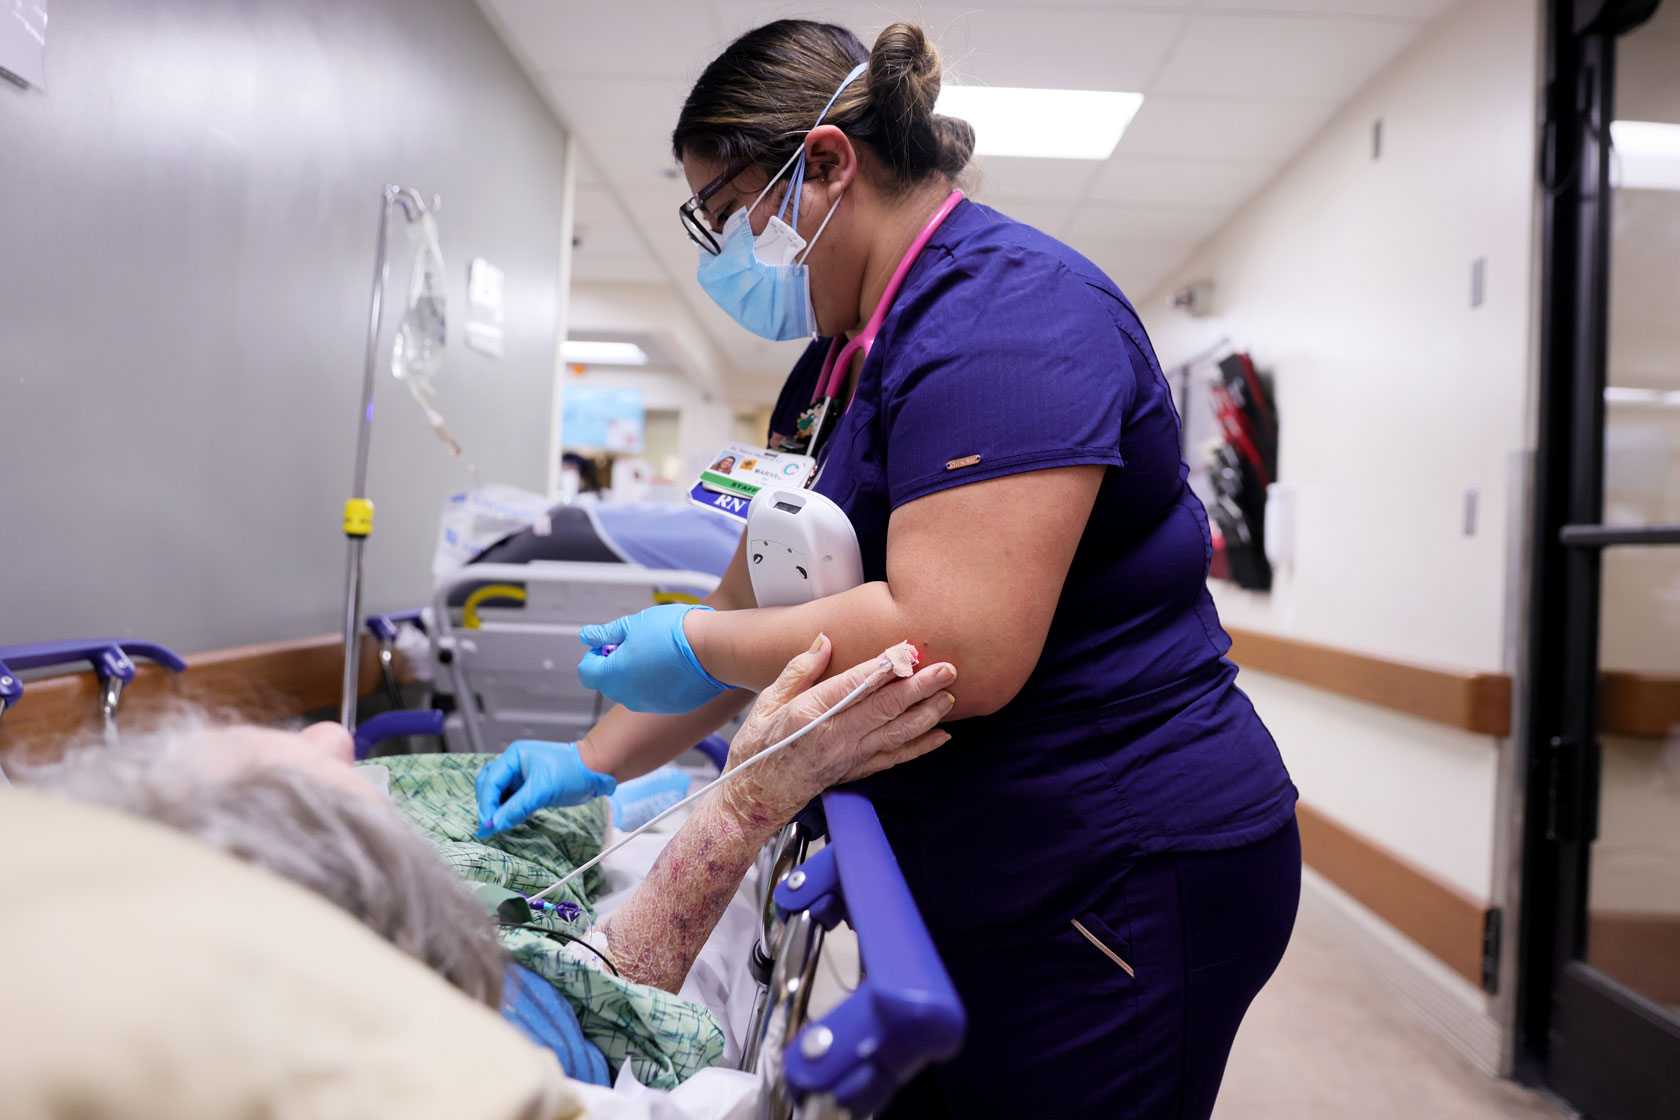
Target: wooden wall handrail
1444, 919
1475, 701
1642, 705
261, 683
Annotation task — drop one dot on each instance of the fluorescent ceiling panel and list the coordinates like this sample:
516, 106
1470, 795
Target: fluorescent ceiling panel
1649, 154
579, 352
1042, 123
1651, 398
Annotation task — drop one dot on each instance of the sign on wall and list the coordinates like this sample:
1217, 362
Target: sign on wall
598, 418
484, 307
23, 40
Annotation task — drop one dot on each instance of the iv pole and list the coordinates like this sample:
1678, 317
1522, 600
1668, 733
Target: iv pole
358, 511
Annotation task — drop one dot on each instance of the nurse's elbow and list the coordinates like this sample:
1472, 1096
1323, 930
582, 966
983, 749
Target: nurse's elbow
983, 691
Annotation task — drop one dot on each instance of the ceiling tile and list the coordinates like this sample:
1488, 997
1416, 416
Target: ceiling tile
1156, 225
1046, 215
1222, 128
621, 270
737, 17
639, 163
1040, 5
1014, 177
598, 205
1280, 56
1053, 48
1091, 47
1418, 11
1135, 268
612, 107
1183, 183
591, 37
609, 238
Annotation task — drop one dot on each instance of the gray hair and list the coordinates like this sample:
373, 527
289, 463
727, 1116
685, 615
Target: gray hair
352, 851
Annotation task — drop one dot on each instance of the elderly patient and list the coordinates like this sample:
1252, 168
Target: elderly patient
292, 803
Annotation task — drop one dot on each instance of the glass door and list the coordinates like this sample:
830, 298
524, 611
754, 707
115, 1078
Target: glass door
1600, 1001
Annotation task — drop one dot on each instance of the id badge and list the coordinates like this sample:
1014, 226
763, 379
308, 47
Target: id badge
740, 470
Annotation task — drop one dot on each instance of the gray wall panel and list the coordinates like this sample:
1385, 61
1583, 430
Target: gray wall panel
187, 223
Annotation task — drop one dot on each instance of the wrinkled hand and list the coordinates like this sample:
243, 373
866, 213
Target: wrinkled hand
892, 723
532, 775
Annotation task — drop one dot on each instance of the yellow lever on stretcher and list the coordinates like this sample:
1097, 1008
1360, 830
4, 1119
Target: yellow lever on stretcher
358, 517
660, 598
469, 611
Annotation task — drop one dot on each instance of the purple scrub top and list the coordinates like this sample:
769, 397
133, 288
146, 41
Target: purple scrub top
1008, 352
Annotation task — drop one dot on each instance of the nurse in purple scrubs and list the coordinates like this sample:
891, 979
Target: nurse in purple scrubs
1105, 851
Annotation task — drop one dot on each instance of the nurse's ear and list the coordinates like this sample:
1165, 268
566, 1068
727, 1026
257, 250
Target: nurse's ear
831, 165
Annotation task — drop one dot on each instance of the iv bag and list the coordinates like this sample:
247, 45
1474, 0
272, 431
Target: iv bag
417, 353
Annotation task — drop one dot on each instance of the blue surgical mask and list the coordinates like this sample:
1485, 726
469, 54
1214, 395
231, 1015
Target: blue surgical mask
763, 282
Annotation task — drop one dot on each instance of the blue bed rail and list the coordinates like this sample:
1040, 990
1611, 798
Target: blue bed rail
905, 1013
112, 659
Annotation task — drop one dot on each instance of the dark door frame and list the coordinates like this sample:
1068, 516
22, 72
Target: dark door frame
1588, 1038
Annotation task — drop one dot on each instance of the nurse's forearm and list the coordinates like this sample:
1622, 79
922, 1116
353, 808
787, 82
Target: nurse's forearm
628, 744
749, 648
654, 938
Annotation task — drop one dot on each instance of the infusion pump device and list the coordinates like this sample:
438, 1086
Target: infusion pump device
800, 547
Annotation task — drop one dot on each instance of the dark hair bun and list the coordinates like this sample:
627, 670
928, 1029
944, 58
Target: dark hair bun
904, 78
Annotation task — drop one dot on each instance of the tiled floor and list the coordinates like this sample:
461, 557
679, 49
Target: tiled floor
1325, 1040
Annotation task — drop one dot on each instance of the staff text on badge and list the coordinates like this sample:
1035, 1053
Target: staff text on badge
739, 471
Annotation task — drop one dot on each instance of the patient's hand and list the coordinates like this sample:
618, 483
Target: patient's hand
891, 723
655, 936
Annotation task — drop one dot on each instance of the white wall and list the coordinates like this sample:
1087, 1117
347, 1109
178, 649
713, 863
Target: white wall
1348, 279
187, 228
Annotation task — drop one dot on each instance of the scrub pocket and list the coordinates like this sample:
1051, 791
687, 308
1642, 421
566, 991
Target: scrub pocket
1104, 940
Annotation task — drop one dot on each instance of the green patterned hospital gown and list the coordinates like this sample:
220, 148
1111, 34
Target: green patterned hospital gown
664, 1038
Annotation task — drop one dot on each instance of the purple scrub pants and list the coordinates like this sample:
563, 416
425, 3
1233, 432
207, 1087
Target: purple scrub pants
1059, 1028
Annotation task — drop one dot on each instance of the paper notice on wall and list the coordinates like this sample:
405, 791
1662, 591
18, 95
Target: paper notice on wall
484, 307
23, 40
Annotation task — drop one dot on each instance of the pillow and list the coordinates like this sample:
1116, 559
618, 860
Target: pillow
144, 975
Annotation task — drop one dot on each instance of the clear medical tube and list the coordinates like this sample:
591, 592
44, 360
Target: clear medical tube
845, 702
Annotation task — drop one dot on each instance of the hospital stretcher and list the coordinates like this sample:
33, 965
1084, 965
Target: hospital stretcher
903, 1014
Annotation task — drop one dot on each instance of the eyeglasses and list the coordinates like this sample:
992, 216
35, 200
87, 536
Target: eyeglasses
695, 221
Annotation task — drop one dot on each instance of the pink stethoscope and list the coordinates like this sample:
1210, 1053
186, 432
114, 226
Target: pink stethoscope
840, 356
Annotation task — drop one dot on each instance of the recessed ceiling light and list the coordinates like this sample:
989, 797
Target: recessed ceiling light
580, 352
1042, 123
1649, 154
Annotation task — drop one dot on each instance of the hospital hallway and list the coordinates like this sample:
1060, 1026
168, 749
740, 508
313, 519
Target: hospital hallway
1006, 492
1326, 1038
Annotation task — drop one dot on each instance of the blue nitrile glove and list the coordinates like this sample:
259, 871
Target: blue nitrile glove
532, 775
639, 800
652, 667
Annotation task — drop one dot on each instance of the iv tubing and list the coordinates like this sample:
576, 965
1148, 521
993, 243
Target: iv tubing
847, 701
